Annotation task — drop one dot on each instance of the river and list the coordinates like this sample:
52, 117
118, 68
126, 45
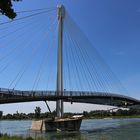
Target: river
96, 129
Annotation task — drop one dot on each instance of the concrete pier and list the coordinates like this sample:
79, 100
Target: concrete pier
38, 125
65, 124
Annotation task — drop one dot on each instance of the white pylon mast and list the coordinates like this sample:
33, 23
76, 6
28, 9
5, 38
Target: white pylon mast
59, 91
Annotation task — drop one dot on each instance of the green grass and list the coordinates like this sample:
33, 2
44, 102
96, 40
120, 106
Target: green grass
7, 137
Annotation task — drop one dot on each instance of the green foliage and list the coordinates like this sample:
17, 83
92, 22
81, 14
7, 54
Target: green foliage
118, 113
7, 137
6, 8
1, 114
37, 112
87, 115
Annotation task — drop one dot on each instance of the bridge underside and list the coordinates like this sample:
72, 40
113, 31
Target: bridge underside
17, 96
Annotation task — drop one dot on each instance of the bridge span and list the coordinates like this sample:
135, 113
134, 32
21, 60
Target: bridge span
102, 98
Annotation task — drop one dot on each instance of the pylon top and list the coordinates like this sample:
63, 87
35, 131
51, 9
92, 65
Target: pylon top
60, 11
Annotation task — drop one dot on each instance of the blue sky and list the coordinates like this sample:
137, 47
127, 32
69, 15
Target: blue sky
112, 26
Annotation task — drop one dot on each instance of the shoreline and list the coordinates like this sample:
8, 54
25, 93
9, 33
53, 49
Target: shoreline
90, 118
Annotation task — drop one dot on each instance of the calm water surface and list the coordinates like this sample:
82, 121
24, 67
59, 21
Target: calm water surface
101, 129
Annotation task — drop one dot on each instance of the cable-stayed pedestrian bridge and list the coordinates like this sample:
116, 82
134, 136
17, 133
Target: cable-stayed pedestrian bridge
34, 55
16, 96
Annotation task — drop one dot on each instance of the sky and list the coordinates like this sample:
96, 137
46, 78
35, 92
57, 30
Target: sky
112, 26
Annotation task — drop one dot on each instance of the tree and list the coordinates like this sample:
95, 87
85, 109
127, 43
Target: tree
6, 8
37, 112
1, 113
86, 114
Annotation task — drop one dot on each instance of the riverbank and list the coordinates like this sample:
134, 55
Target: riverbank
84, 118
7, 137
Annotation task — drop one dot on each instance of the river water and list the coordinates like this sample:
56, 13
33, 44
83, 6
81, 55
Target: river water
96, 129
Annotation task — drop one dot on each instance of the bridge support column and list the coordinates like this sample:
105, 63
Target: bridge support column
59, 103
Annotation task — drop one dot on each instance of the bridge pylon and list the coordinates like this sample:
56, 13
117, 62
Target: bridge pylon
59, 84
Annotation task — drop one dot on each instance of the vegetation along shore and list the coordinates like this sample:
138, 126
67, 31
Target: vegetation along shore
97, 114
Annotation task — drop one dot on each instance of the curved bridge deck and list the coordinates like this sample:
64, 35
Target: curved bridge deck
16, 96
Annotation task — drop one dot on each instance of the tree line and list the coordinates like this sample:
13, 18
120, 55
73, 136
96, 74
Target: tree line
87, 115
106, 113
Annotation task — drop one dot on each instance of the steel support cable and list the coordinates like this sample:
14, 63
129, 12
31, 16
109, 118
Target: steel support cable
95, 84
50, 72
72, 69
23, 69
75, 65
12, 40
108, 70
13, 31
79, 62
65, 84
34, 10
37, 79
86, 67
64, 77
83, 71
21, 34
99, 83
21, 50
15, 24
67, 61
27, 65
7, 27
80, 34
86, 55
29, 16
52, 40
13, 59
35, 85
104, 80
112, 79
67, 65
64, 66
106, 75
71, 25
17, 46
82, 56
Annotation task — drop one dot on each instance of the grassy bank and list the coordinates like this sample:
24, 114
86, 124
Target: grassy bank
7, 137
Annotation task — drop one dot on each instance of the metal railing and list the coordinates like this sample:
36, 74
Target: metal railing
65, 93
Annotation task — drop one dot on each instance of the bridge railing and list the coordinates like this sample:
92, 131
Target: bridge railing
65, 93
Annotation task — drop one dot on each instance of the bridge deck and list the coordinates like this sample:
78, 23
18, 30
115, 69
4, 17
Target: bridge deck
15, 96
